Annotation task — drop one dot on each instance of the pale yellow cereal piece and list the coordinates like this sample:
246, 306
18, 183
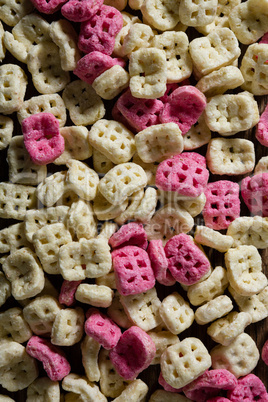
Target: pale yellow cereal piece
147, 206
6, 130
12, 11
220, 81
213, 309
98, 296
118, 4
139, 35
249, 230
226, 329
16, 48
176, 313
262, 165
143, 309
206, 290
128, 19
104, 210
84, 105
230, 156
213, 238
52, 188
129, 212
148, 73
113, 140
88, 391
198, 135
90, 353
136, 391
108, 229
117, 313
256, 305
184, 362
254, 69
13, 324
101, 163
82, 179
13, 82
5, 289
162, 340
80, 221
13, 238
50, 103
68, 327
240, 357
244, 267
76, 145
43, 389
193, 14
111, 83
149, 168
194, 206
161, 14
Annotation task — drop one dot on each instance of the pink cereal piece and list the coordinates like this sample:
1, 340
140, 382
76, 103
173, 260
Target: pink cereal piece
222, 204
133, 271
129, 234
80, 10
166, 386
171, 88
52, 357
159, 263
262, 127
42, 138
264, 39
218, 399
264, 353
184, 107
188, 157
182, 175
133, 353
48, 6
102, 328
99, 32
210, 384
140, 113
249, 389
186, 262
117, 116
254, 191
67, 292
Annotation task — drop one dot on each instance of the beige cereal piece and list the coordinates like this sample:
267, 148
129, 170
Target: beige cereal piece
6, 130
220, 81
196, 14
255, 69
148, 73
84, 105
13, 324
198, 135
111, 83
118, 4
249, 230
194, 206
77, 145
82, 179
97, 296
176, 313
101, 163
149, 168
11, 11
16, 200
80, 221
213, 238
230, 156
113, 140
87, 391
104, 210
136, 391
128, 20
129, 212
147, 206
117, 313
68, 327
48, 290
256, 305
68, 198
213, 309
52, 188
161, 14
108, 229
13, 82
162, 340
16, 48
139, 35
5, 289
185, 361
164, 396
2, 46
240, 357
90, 353
262, 165
43, 389
13, 238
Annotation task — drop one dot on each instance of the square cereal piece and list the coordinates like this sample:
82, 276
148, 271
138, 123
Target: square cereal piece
137, 389
68, 327
249, 230
81, 221
111, 82
13, 238
16, 200
82, 179
101, 163
76, 143
133, 203
14, 325
13, 82
161, 14
6, 130
139, 35
256, 305
194, 13
95, 295
162, 339
11, 11
213, 309
52, 188
254, 68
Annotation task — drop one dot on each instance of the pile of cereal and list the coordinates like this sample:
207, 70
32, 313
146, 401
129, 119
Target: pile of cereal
120, 170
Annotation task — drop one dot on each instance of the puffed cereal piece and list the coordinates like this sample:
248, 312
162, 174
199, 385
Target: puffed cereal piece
139, 35
43, 389
133, 203
148, 73
113, 140
5, 289
104, 210
68, 327
101, 163
40, 314
218, 49
90, 353
213, 309
244, 267
48, 7
108, 229
194, 206
162, 340
161, 14
230, 156
176, 313
159, 263
6, 130
81, 221
226, 329
13, 82
240, 357
52, 188
13, 238
131, 233
193, 14
198, 135
13, 324
164, 396
254, 69
111, 83
249, 230
25, 273
136, 391
97, 296
211, 287
184, 362
102, 329
84, 105
12, 12
77, 11
67, 292
147, 206
82, 180
77, 145
213, 238
84, 389
5, 398
254, 190
117, 313
128, 20
149, 168
249, 387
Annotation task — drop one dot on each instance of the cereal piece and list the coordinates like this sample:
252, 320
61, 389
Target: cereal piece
13, 238
147, 206
149, 168
25, 273
240, 357
130, 234
117, 313
176, 313
161, 14
111, 83
12, 324
244, 267
90, 353
213, 309
68, 198
212, 238
249, 230
264, 354
194, 206
248, 388
129, 212
43, 388
82, 180
136, 391
11, 12
5, 398
148, 73
198, 135
75, 10
159, 263
128, 20
5, 289
102, 329
52, 188
254, 190
262, 136
104, 210
254, 69
77, 145
98, 296
184, 362
81, 221
68, 327
48, 7
101, 163
67, 292
230, 156
43, 62
40, 314
193, 14
83, 388
108, 229
139, 36
6, 130
256, 305
164, 396
226, 329
53, 359
13, 82
166, 386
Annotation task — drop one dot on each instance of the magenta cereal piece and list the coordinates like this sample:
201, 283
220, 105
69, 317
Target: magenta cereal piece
102, 328
133, 353
222, 204
254, 191
188, 157
132, 233
159, 263
42, 138
171, 88
52, 357
140, 113
133, 271
186, 262
264, 39
210, 384
264, 353
218, 399
249, 389
48, 6
184, 107
166, 386
262, 127
99, 32
117, 116
67, 292
89, 67
80, 10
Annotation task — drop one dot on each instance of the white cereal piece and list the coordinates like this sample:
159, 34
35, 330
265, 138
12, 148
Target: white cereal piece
147, 206
136, 391
117, 313
76, 145
198, 135
211, 287
176, 313
143, 309
165, 396
108, 229
14, 325
101, 163
148, 73
86, 390
220, 81
16, 200
230, 156
162, 340
193, 14
80, 221
139, 35
129, 212
11, 12
249, 230
104, 210
111, 83
240, 357
47, 242
13, 82
213, 238
244, 267
161, 14
50, 190
213, 309
13, 238
262, 165
6, 130
97, 296
43, 389
149, 168
5, 289
113, 140
82, 179
184, 362
68, 327
226, 329
254, 69
256, 305
194, 206
90, 353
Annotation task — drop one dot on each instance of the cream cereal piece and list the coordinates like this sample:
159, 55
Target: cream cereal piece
90, 353
198, 135
262, 165
136, 391
184, 362
101, 163
113, 140
111, 83
81, 221
240, 357
5, 289
48, 290
97, 296
43, 389
129, 212
213, 238
13, 324
104, 210
68, 327
230, 156
226, 329
13, 82
162, 340
139, 35
128, 20
194, 206
165, 396
6, 130
16, 48
107, 280
256, 305
87, 390
16, 200
50, 190
147, 206
161, 14
118, 4
13, 238
254, 68
193, 14
220, 81
213, 309
77, 145
117, 313
249, 230
149, 168
82, 179
108, 229
11, 12
148, 73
